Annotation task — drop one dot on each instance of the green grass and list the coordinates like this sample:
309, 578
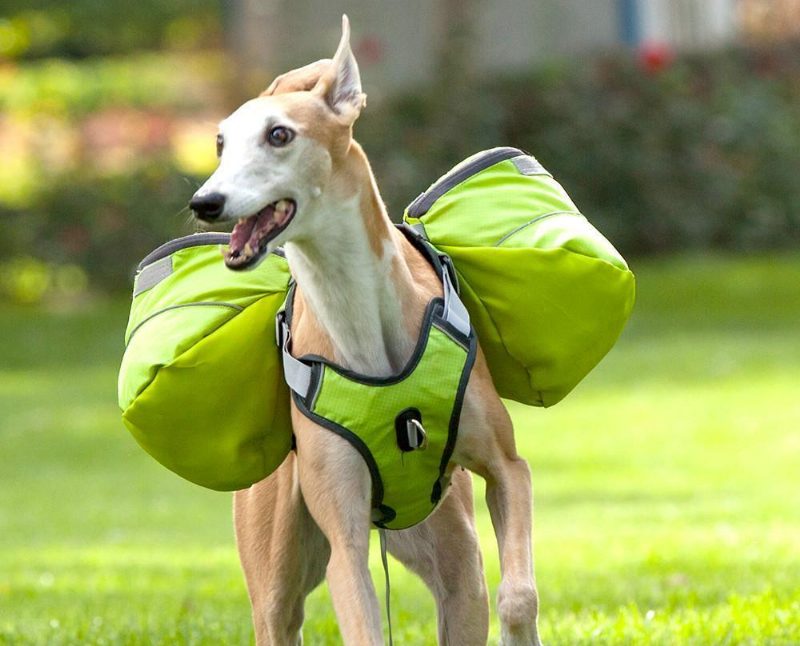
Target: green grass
667, 486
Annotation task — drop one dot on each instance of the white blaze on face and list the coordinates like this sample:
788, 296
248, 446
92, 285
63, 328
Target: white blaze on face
251, 173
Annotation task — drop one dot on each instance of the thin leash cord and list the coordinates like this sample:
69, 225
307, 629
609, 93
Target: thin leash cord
385, 561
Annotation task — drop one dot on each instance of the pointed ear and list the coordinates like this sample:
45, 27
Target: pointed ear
303, 78
340, 84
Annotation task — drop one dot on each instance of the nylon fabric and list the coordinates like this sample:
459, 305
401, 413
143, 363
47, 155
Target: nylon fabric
406, 485
547, 294
201, 385
200, 382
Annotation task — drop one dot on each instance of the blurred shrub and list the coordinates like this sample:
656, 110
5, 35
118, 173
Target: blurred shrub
81, 28
701, 151
70, 89
28, 281
102, 223
695, 152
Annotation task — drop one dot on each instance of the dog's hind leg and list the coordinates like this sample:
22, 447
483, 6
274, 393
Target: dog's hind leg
337, 488
445, 553
283, 554
486, 446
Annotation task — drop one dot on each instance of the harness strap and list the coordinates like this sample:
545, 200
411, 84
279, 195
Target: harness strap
454, 311
298, 374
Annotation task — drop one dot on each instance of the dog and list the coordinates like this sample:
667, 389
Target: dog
291, 175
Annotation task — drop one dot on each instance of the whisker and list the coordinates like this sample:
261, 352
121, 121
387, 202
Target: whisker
183, 210
192, 182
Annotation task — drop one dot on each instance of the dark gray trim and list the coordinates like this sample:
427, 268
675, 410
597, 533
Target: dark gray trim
433, 312
428, 251
192, 240
433, 316
437, 488
452, 333
482, 161
355, 441
455, 417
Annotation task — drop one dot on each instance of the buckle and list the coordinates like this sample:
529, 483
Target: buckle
280, 323
411, 434
449, 267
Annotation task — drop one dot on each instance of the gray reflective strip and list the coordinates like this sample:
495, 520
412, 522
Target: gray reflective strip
528, 165
420, 229
454, 311
151, 275
296, 373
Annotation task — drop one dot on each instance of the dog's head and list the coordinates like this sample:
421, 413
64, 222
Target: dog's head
276, 155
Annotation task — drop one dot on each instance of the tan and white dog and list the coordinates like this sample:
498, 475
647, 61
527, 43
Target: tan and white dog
292, 175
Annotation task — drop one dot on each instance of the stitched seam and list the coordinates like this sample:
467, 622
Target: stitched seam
533, 221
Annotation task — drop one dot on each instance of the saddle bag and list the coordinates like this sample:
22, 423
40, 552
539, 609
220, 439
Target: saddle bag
201, 385
547, 294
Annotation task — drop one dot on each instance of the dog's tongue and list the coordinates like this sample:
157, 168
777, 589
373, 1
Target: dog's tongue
249, 233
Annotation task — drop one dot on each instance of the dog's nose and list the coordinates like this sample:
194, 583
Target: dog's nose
208, 206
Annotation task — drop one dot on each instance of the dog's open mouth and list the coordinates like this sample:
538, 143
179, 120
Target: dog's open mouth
251, 235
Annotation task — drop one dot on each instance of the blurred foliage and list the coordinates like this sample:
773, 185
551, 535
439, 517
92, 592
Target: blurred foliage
661, 152
81, 28
27, 281
699, 151
103, 223
72, 89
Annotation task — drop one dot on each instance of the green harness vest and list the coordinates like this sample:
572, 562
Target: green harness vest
404, 426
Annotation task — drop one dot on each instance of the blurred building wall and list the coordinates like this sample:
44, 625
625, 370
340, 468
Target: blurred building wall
688, 24
397, 42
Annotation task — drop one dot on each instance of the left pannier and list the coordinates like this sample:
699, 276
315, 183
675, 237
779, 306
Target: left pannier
201, 382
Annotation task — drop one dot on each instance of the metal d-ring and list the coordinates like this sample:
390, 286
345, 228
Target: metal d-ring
415, 430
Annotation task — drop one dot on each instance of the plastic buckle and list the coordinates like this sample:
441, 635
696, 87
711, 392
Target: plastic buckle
280, 322
450, 268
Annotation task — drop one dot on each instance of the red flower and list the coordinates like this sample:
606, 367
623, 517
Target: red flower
655, 57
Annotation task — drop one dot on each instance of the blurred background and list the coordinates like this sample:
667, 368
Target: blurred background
667, 490
673, 123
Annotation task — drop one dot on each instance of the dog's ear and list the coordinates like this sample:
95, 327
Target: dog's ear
340, 84
299, 80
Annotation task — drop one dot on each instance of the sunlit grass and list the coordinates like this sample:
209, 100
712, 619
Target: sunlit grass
667, 488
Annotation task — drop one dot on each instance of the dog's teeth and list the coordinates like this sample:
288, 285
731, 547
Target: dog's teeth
282, 206
242, 220
248, 250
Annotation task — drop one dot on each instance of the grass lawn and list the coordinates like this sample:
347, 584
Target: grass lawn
667, 486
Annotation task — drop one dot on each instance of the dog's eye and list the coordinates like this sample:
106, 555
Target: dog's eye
220, 144
279, 136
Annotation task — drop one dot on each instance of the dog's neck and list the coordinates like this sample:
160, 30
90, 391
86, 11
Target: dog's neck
352, 274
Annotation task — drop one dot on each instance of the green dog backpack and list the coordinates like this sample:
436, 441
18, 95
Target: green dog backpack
201, 385
547, 294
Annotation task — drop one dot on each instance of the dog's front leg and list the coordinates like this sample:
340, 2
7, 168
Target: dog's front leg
508, 495
337, 488
282, 551
444, 551
486, 446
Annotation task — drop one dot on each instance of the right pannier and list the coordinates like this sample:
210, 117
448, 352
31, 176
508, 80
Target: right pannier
547, 294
